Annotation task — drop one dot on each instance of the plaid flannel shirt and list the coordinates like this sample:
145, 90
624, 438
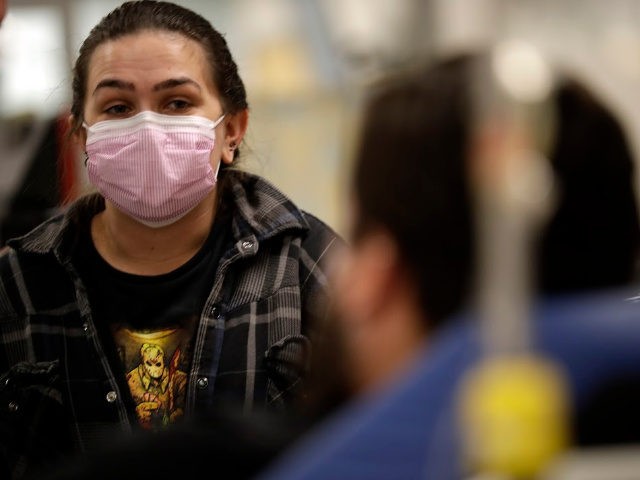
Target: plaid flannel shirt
251, 344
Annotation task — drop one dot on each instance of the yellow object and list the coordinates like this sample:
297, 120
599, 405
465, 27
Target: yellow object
514, 415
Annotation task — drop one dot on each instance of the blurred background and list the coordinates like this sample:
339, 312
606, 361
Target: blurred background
305, 64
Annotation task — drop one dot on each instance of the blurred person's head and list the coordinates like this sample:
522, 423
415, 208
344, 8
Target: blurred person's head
410, 261
591, 241
411, 264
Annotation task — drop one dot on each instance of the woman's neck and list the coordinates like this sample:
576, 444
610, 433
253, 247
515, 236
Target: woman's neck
133, 247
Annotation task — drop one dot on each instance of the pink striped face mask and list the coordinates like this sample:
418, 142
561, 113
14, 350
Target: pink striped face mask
153, 167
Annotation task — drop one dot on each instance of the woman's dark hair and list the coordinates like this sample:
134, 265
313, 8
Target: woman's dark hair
410, 178
135, 16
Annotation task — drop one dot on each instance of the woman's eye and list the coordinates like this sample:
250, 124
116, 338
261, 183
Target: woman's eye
118, 109
178, 105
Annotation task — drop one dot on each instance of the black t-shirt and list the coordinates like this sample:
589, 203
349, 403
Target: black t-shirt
147, 323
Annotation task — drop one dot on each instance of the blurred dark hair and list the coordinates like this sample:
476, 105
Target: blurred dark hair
410, 178
592, 239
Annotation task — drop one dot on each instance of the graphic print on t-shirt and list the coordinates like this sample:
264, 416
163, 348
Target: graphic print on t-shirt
153, 364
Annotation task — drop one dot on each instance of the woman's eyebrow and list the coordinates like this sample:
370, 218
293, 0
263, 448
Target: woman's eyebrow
175, 82
114, 83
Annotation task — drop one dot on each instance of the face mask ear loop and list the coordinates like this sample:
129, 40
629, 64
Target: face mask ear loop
86, 155
217, 122
215, 175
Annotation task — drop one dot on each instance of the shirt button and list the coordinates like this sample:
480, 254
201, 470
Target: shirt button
202, 383
247, 245
13, 407
85, 327
216, 312
111, 396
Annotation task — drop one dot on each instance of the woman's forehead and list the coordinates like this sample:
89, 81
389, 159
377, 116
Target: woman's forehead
147, 56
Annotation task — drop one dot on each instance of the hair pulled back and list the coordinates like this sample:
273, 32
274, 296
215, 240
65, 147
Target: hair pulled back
135, 16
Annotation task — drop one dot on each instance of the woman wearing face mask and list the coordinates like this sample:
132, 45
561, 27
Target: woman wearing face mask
181, 284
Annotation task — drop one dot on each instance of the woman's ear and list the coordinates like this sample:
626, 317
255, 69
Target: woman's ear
235, 128
79, 136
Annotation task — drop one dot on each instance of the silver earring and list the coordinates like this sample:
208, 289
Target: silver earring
86, 158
